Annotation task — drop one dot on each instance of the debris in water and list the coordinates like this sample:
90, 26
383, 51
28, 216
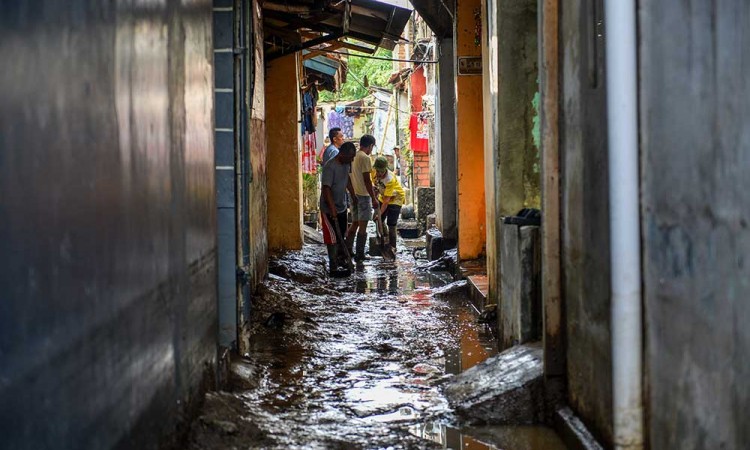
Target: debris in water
312, 236
275, 320
457, 289
224, 426
445, 263
488, 315
426, 369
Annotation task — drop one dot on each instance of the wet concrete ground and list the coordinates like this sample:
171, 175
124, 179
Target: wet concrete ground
354, 363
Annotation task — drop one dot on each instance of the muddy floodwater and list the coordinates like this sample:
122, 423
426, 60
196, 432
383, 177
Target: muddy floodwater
354, 363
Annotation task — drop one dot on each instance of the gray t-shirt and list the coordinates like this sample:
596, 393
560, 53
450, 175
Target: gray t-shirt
335, 175
330, 152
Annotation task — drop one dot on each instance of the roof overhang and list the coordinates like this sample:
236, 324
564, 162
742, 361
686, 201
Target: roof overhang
438, 14
361, 25
322, 64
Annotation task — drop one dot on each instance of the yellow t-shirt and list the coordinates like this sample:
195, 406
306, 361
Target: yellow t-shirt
389, 186
361, 164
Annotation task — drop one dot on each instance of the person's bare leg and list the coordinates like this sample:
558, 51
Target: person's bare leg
350, 236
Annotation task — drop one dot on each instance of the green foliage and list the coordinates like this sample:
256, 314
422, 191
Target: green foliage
310, 192
375, 71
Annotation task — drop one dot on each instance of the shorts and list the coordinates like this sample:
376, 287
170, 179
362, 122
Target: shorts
362, 208
329, 233
390, 215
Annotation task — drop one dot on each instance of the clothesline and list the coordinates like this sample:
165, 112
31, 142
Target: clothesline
416, 61
378, 107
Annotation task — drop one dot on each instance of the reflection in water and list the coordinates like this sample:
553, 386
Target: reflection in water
490, 438
359, 361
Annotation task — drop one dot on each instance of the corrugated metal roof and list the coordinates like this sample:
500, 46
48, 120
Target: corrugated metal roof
296, 25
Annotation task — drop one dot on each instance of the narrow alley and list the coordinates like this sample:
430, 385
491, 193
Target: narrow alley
187, 188
355, 363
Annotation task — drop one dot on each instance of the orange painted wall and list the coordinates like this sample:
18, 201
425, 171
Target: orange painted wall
470, 137
284, 165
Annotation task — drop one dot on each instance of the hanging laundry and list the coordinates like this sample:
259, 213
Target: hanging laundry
338, 119
419, 127
309, 101
309, 163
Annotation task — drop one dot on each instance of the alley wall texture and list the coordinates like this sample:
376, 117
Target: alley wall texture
258, 157
284, 157
585, 216
107, 276
510, 72
469, 136
695, 144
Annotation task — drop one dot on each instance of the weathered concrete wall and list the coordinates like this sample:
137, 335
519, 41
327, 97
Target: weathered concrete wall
284, 163
258, 158
510, 69
469, 135
520, 311
258, 185
425, 205
585, 216
695, 108
446, 173
108, 318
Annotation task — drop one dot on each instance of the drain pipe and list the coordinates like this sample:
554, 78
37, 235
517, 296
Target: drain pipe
625, 244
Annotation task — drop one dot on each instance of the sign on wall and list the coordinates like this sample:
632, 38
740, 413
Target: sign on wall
469, 65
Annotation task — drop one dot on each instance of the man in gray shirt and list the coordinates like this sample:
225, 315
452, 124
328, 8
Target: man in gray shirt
335, 182
337, 140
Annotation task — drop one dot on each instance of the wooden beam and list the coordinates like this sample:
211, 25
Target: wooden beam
359, 48
281, 7
287, 35
297, 23
322, 51
304, 45
347, 16
552, 300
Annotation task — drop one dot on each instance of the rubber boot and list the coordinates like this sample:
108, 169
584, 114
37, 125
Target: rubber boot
333, 259
361, 241
350, 244
392, 237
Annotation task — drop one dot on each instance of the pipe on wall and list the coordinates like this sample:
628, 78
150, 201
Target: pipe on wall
622, 123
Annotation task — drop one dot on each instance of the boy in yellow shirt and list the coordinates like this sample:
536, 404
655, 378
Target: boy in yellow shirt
390, 194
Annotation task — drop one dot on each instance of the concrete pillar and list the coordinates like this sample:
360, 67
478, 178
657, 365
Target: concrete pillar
511, 157
469, 133
284, 165
446, 198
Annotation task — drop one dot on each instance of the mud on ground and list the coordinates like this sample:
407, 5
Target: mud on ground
350, 363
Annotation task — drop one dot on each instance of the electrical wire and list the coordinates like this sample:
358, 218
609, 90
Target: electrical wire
392, 98
417, 61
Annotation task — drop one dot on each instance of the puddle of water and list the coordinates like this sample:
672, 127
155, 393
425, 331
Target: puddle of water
356, 364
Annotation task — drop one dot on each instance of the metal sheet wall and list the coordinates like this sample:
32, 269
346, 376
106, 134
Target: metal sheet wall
695, 155
107, 236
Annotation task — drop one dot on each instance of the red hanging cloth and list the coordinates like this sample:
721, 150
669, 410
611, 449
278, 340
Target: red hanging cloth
419, 134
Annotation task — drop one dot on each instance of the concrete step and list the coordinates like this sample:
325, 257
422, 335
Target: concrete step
478, 291
507, 389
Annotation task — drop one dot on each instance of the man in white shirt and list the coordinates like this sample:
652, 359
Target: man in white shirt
364, 200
